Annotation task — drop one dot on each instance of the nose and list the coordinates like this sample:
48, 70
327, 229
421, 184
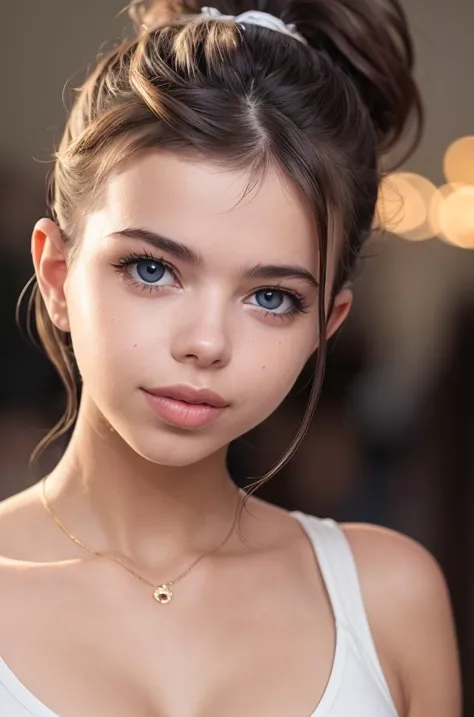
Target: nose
203, 338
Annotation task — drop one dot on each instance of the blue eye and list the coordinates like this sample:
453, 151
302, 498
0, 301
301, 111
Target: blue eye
146, 272
270, 299
150, 271
275, 301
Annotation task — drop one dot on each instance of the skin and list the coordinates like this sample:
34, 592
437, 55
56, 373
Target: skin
83, 634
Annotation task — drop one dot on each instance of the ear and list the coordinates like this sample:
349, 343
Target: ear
49, 253
340, 310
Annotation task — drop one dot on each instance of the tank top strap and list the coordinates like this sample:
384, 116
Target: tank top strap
339, 572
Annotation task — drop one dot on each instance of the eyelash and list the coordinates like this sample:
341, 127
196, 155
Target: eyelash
300, 306
132, 259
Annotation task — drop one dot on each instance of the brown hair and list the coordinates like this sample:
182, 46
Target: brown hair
323, 112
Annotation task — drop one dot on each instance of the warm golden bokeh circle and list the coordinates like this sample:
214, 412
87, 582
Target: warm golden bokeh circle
433, 212
459, 161
456, 217
403, 205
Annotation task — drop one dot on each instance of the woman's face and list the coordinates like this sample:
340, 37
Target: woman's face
178, 281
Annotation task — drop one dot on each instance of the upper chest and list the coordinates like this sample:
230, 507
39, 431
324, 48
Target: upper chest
91, 640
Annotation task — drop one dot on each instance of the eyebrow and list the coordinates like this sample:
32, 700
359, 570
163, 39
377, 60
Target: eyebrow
175, 248
190, 256
282, 271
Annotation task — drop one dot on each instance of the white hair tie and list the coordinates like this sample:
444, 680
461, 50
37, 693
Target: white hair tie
256, 17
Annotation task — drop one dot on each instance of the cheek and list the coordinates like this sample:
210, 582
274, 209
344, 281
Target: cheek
269, 377
108, 333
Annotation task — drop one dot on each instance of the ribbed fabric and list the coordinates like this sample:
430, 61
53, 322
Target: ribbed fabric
356, 687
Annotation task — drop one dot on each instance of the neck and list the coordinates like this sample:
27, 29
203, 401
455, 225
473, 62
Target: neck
156, 516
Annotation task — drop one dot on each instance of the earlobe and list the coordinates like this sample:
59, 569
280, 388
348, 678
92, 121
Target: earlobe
49, 254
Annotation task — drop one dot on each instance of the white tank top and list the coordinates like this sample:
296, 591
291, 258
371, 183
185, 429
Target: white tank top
356, 687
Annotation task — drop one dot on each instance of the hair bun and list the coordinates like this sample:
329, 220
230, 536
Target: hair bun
370, 40
150, 14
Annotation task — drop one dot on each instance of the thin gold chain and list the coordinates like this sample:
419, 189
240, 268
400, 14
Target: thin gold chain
109, 556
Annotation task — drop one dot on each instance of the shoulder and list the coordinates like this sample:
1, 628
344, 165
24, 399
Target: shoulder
11, 511
409, 571
409, 609
17, 538
23, 528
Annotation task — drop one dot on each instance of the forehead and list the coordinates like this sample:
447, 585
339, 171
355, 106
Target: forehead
209, 208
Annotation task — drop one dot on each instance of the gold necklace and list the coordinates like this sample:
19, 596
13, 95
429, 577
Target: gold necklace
161, 593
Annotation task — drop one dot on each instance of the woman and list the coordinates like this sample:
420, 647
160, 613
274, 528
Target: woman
216, 180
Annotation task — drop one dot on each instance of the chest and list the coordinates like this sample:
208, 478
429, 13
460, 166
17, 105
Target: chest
223, 647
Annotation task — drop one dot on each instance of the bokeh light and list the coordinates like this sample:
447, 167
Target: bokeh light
403, 205
456, 217
433, 213
459, 161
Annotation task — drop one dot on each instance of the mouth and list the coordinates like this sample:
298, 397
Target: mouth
190, 395
186, 407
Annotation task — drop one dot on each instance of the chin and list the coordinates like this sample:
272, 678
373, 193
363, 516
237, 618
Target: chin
178, 450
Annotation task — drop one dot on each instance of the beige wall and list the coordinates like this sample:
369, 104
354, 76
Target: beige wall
43, 44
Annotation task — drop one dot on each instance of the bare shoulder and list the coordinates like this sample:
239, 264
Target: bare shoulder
409, 571
409, 609
17, 539
21, 525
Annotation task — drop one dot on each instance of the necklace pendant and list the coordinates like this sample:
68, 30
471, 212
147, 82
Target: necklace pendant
163, 594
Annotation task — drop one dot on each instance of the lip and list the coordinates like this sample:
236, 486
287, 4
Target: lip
191, 395
185, 406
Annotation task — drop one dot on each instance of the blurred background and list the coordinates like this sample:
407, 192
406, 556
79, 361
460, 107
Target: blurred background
392, 442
